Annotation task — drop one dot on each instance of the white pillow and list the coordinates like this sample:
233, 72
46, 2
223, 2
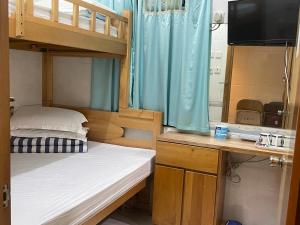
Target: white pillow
31, 133
47, 118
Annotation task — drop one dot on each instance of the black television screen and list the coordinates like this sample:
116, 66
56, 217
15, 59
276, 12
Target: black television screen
262, 22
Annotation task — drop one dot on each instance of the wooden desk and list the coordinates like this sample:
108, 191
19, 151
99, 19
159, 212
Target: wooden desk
189, 183
189, 179
228, 145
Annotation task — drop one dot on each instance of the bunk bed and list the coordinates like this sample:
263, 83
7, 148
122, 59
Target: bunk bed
91, 32
66, 24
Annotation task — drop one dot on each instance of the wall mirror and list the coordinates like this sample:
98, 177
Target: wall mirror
253, 85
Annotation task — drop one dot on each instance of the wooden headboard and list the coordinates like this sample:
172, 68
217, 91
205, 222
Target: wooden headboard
109, 127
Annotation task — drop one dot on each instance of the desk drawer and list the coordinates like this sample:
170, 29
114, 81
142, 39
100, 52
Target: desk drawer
188, 157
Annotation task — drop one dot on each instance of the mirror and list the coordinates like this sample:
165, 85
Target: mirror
248, 84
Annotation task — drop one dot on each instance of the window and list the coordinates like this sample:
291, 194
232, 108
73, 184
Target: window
164, 5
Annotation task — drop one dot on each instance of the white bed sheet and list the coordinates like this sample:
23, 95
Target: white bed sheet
42, 9
66, 189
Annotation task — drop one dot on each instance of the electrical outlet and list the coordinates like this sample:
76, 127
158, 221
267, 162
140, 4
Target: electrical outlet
219, 17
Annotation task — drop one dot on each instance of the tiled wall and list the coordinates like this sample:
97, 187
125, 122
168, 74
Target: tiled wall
257, 74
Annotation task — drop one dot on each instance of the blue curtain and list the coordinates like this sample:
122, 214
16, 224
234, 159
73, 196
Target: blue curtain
106, 72
105, 84
170, 71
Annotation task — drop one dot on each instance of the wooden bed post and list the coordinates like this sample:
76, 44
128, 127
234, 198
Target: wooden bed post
47, 79
4, 116
124, 88
125, 66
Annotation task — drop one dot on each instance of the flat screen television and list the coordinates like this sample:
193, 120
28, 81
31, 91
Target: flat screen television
263, 22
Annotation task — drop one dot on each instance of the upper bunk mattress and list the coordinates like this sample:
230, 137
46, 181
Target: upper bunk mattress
69, 188
42, 9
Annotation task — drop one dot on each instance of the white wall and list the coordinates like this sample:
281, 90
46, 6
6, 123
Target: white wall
253, 201
25, 77
221, 6
72, 81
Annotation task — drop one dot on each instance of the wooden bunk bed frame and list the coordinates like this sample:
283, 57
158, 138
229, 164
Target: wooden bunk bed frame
27, 32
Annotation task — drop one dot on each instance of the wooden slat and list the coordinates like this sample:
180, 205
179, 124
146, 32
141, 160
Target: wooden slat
85, 54
54, 11
107, 26
145, 114
125, 67
4, 109
99, 10
93, 21
75, 15
116, 204
29, 7
47, 79
120, 30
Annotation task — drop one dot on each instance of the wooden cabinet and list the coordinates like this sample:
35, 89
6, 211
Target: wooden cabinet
199, 199
188, 185
169, 187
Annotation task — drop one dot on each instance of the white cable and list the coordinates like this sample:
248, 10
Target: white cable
287, 81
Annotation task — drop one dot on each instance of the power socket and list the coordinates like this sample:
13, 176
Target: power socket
219, 17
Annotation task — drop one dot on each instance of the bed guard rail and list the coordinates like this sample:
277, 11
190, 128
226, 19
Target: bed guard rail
26, 8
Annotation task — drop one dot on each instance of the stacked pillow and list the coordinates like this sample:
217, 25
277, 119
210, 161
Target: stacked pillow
37, 129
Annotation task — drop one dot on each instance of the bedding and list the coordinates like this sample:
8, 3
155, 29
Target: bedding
42, 9
47, 145
34, 133
48, 118
67, 189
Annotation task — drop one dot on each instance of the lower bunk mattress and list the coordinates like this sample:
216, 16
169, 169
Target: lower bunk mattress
69, 188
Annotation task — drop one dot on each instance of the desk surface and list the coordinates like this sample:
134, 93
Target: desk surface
229, 145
